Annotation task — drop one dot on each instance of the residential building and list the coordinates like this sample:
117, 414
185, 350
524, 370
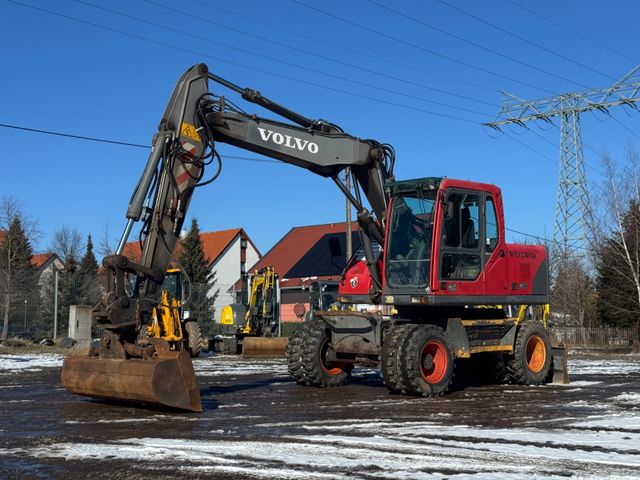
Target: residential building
303, 256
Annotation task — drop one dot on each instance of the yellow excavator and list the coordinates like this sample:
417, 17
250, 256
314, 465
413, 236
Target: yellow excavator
253, 329
169, 321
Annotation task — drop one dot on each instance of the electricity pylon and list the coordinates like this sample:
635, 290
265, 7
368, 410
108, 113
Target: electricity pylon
573, 208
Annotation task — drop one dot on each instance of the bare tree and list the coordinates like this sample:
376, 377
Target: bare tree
619, 233
10, 209
67, 243
19, 233
106, 248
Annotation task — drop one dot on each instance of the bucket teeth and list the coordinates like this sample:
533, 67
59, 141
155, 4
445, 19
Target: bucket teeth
166, 379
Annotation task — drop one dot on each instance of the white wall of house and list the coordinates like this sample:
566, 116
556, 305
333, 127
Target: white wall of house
227, 270
47, 272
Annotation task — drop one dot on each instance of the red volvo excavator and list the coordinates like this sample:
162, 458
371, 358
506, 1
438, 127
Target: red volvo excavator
433, 251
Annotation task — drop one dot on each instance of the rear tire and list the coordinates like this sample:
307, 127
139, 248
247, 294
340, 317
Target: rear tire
532, 355
194, 338
317, 370
427, 361
293, 353
390, 357
500, 373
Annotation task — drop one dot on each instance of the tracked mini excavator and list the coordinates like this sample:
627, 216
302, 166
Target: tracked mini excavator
434, 249
252, 329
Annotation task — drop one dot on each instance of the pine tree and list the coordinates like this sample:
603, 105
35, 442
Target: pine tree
88, 264
192, 257
201, 280
90, 291
17, 274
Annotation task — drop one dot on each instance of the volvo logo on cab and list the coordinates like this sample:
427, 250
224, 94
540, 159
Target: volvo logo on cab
530, 255
288, 141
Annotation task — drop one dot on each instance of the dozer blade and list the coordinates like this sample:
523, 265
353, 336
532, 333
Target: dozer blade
560, 369
167, 379
264, 346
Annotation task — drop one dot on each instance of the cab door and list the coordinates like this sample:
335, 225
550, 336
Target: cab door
472, 257
461, 243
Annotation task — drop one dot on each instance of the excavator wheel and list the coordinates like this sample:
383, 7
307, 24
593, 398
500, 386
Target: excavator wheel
427, 361
293, 353
194, 338
390, 357
317, 370
532, 356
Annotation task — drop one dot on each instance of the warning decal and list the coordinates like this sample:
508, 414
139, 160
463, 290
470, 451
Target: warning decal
188, 130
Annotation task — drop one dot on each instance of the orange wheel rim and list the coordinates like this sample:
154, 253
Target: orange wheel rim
332, 368
536, 353
433, 361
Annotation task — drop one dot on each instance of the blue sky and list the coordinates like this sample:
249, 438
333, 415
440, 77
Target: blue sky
397, 80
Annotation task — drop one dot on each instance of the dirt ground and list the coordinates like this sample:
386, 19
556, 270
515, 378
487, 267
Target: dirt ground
257, 423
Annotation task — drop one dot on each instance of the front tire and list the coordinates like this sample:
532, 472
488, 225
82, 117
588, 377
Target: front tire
390, 357
317, 370
293, 353
427, 361
532, 355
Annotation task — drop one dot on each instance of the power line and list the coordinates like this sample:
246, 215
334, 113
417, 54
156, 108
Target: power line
526, 40
301, 50
542, 239
71, 135
529, 147
138, 145
565, 28
418, 47
469, 42
291, 64
241, 65
625, 127
325, 42
116, 142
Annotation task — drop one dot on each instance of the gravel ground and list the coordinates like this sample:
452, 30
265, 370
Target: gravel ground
257, 423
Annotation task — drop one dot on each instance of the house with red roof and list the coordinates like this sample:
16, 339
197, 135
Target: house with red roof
45, 263
303, 256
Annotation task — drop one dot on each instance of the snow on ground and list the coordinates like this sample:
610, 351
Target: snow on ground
593, 437
616, 366
379, 449
236, 366
29, 363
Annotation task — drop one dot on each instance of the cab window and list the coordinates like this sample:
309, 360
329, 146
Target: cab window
491, 226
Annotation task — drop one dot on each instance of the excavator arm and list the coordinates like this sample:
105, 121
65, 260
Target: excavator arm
184, 145
194, 121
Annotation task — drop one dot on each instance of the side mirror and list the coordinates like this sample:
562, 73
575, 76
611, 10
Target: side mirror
334, 247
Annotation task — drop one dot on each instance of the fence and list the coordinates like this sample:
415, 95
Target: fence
604, 337
34, 305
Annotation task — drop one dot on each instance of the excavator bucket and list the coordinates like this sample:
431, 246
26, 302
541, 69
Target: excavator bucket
166, 379
253, 347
